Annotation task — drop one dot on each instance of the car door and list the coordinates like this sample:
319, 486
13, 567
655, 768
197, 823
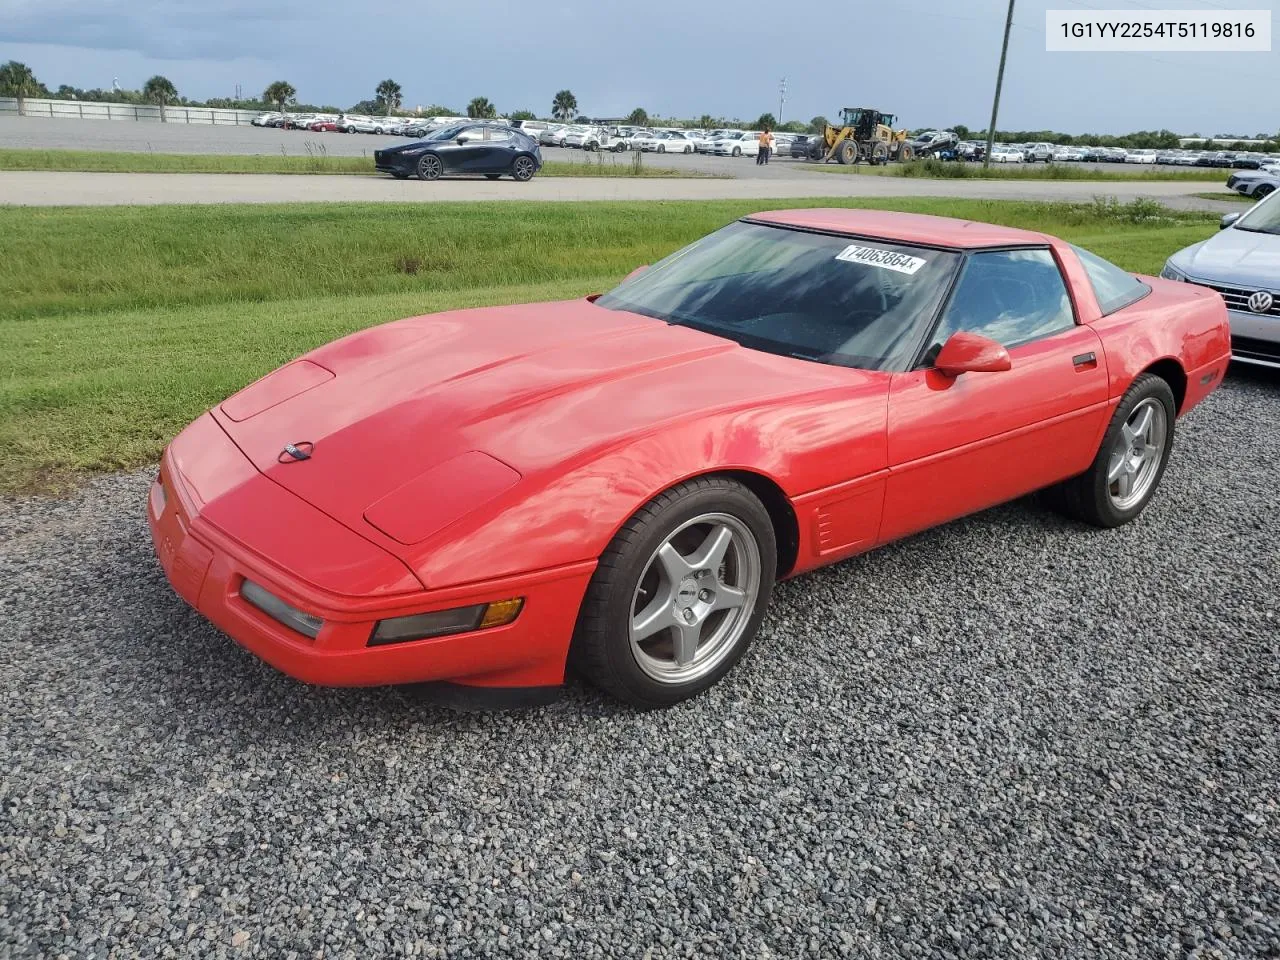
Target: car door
960, 444
494, 151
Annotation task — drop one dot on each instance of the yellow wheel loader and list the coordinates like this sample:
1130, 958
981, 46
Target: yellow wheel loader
864, 135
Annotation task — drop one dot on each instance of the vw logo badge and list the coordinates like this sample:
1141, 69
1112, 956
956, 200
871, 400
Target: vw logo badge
1261, 302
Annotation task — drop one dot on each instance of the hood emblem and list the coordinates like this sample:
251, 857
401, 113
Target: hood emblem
1261, 302
294, 452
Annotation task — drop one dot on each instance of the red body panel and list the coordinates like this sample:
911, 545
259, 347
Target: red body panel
479, 455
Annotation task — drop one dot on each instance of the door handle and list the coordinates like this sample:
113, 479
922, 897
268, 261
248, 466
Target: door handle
1085, 361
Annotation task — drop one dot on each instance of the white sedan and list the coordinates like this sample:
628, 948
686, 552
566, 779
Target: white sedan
737, 144
1007, 155
703, 139
666, 141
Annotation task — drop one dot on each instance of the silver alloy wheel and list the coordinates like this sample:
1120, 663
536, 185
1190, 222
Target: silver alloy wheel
1136, 455
523, 169
695, 598
430, 167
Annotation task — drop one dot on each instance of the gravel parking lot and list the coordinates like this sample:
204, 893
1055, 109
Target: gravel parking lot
1010, 734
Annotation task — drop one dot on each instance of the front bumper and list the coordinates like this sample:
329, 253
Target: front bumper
1255, 338
206, 567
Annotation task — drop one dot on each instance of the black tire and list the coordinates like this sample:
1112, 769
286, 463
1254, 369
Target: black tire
601, 649
1087, 497
523, 168
737, 151
879, 154
847, 152
492, 176
906, 153
1262, 190
817, 149
662, 148
430, 167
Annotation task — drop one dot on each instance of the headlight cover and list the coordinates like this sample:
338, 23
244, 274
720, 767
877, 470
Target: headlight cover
1170, 272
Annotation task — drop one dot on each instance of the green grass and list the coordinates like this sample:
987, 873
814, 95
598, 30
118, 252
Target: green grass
1228, 195
942, 170
120, 325
317, 161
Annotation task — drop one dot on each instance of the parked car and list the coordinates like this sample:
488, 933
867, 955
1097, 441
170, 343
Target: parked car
667, 141
801, 387
1141, 156
1006, 154
614, 140
800, 146
553, 135
576, 136
1256, 185
266, 119
1242, 263
1042, 152
737, 144
468, 148
702, 139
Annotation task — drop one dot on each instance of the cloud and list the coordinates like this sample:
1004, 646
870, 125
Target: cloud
160, 29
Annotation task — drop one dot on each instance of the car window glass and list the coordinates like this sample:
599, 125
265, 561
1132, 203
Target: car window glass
1010, 296
1113, 288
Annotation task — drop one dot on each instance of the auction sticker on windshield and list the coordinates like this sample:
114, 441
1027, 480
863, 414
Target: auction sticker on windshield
875, 257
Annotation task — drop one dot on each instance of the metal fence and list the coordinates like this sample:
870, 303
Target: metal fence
142, 112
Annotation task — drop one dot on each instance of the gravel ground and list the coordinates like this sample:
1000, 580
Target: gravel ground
1010, 734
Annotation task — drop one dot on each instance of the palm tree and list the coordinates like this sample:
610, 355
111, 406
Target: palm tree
17, 80
481, 109
160, 90
639, 117
388, 96
280, 93
565, 105
706, 121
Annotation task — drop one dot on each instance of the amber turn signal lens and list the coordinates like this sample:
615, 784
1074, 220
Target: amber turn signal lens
501, 613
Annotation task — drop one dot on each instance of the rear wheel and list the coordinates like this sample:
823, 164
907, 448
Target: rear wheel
906, 153
678, 595
737, 151
1130, 462
523, 168
879, 154
662, 148
430, 167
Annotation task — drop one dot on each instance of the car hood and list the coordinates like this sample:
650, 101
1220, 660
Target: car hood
487, 397
1234, 258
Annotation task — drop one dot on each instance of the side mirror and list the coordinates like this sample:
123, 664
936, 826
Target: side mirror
1228, 220
461, 140
636, 272
968, 352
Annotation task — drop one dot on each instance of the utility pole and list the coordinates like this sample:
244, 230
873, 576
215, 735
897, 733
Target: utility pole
782, 98
995, 103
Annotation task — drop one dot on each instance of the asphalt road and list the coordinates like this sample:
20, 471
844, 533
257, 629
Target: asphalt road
105, 189
1008, 736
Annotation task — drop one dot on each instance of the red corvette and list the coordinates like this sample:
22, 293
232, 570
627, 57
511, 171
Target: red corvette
481, 496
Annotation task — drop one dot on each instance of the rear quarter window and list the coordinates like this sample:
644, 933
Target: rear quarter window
1113, 288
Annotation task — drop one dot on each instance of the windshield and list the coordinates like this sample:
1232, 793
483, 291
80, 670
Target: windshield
837, 300
1264, 218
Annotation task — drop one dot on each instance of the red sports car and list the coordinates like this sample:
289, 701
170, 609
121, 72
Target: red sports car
482, 496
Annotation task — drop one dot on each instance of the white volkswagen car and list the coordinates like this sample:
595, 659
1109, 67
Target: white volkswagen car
1242, 262
666, 141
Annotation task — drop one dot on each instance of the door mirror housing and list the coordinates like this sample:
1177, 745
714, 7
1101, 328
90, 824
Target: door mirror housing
460, 141
1228, 220
966, 352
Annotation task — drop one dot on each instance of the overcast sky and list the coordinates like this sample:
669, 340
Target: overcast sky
933, 62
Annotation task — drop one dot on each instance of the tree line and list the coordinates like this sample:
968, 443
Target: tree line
18, 80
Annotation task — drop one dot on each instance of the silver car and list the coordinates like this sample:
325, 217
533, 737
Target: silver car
1242, 262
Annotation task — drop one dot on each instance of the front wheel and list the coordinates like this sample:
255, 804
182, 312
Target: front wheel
737, 151
1129, 464
1262, 190
430, 167
662, 148
523, 169
678, 595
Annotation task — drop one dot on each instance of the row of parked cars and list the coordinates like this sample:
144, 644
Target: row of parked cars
1050, 153
722, 142
355, 123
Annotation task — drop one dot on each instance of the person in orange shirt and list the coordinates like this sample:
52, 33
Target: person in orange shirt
766, 146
